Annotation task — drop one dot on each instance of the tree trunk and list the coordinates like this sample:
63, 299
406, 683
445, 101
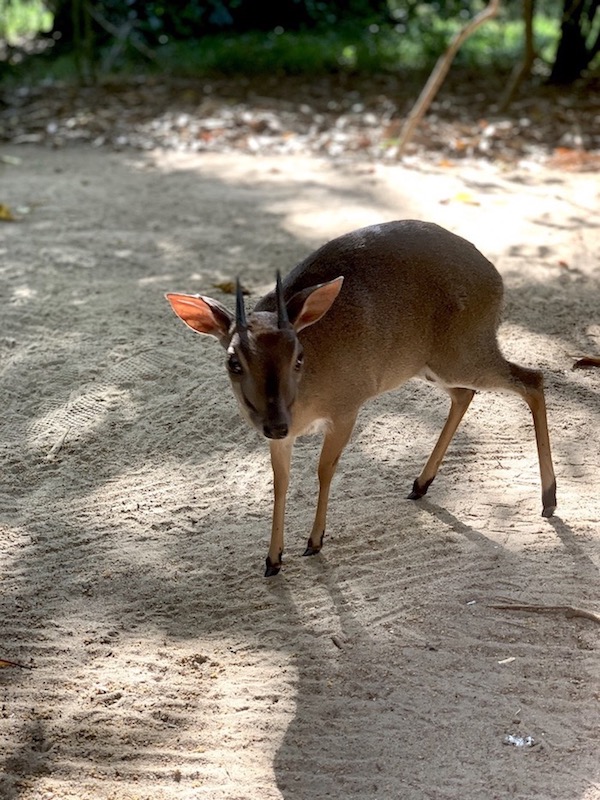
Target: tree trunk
522, 70
572, 56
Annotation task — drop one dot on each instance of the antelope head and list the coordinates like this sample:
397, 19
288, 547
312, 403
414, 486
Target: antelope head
264, 354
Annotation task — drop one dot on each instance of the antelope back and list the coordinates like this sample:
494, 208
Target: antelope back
414, 296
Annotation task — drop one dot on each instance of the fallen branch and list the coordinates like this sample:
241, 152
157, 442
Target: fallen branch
568, 611
439, 73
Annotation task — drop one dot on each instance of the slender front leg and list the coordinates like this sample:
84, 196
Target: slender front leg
335, 440
281, 456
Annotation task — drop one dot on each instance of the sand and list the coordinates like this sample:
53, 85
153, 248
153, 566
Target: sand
135, 503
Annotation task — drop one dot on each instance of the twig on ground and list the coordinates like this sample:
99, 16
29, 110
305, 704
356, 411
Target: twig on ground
568, 611
4, 662
57, 446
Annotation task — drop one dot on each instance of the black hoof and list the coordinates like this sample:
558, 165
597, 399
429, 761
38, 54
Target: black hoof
311, 549
271, 568
419, 491
549, 501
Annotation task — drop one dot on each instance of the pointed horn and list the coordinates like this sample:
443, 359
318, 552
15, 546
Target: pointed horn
283, 321
240, 311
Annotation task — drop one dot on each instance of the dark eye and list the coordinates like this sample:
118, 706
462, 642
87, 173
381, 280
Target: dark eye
233, 365
299, 362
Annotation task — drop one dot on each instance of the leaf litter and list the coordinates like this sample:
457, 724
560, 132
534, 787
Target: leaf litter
339, 117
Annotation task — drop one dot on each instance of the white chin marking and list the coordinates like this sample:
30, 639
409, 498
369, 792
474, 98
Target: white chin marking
317, 426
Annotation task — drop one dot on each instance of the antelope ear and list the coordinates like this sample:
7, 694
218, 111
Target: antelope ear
308, 306
203, 315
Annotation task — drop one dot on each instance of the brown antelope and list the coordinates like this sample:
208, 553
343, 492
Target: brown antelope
358, 317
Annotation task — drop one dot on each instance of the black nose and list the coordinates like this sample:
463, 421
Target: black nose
276, 430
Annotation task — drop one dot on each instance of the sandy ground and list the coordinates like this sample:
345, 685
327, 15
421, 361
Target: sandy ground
135, 503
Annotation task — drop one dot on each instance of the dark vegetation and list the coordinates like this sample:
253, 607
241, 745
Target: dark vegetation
244, 34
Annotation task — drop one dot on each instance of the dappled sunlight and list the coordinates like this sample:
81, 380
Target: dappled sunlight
334, 201
313, 213
306, 221
23, 295
513, 333
176, 498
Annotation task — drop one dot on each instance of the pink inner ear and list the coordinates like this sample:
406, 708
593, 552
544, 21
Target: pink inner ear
197, 314
318, 303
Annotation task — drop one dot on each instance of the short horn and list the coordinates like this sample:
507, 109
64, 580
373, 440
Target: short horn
283, 320
240, 311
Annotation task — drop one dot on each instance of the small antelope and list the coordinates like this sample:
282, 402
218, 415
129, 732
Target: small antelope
358, 317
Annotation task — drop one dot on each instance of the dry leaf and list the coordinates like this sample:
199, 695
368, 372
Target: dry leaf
461, 197
574, 159
228, 287
6, 214
466, 197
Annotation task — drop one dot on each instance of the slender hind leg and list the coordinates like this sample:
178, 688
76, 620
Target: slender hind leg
335, 440
461, 398
529, 383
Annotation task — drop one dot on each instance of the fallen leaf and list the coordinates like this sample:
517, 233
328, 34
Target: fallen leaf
461, 197
466, 197
573, 159
229, 287
6, 214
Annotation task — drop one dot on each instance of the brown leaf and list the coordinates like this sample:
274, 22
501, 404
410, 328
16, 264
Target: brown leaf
228, 287
6, 214
574, 159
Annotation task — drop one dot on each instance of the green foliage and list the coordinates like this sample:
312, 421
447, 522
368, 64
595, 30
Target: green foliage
412, 36
22, 19
351, 48
309, 52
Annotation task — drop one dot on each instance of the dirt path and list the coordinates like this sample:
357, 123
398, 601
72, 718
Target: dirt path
134, 505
